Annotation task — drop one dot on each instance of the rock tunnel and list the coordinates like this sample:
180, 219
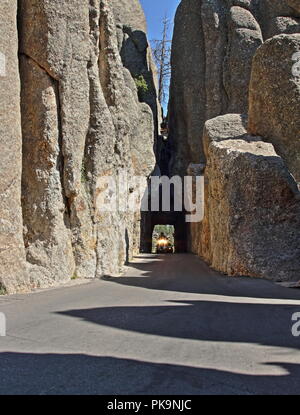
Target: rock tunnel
150, 220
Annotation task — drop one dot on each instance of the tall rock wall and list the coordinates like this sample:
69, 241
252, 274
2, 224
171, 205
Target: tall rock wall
81, 120
136, 54
234, 65
213, 46
12, 253
187, 105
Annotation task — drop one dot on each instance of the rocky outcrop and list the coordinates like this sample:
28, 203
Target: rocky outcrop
244, 37
213, 46
12, 254
136, 53
252, 211
273, 115
81, 121
251, 224
187, 93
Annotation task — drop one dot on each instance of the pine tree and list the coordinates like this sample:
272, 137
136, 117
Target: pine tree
162, 55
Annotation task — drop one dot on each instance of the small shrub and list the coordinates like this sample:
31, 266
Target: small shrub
2, 290
74, 277
141, 85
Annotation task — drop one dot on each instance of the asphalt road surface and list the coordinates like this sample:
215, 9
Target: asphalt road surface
171, 325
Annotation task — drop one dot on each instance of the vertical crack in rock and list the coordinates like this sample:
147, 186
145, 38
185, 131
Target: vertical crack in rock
81, 120
47, 240
61, 162
106, 56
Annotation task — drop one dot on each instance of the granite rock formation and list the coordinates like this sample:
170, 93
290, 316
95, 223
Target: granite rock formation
12, 253
214, 43
273, 115
240, 57
81, 120
136, 54
252, 213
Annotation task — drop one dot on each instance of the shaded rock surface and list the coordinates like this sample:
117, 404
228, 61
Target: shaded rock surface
294, 4
136, 53
251, 223
279, 16
81, 120
273, 115
187, 108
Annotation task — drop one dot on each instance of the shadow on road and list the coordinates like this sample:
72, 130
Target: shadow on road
188, 273
241, 311
262, 324
49, 374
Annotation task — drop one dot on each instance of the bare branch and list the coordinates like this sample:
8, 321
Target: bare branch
162, 55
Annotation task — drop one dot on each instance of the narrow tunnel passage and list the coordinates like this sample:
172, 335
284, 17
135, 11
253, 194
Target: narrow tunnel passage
150, 219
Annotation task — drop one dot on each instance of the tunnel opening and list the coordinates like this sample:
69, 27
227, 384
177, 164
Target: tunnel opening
163, 239
150, 220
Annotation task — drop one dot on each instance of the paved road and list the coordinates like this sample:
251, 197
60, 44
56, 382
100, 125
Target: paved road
171, 325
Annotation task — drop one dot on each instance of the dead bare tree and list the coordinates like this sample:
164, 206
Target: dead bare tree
162, 55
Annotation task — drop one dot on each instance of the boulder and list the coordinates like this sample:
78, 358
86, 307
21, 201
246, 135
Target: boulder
252, 212
244, 38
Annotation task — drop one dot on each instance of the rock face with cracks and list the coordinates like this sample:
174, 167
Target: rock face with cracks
234, 66
12, 253
273, 115
213, 46
252, 205
136, 54
79, 119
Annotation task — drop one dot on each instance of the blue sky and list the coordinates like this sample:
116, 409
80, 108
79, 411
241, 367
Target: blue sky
155, 11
